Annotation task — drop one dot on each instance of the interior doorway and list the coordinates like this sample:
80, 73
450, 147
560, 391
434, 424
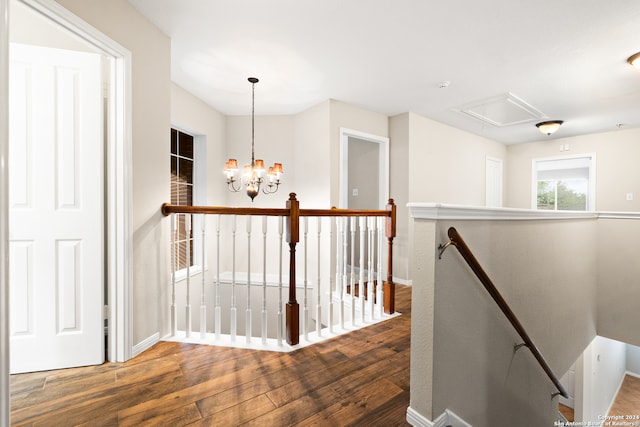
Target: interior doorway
364, 170
50, 25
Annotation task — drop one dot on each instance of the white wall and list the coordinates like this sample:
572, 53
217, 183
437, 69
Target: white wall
447, 165
190, 114
604, 369
399, 153
312, 157
633, 359
433, 162
616, 169
151, 51
30, 27
274, 142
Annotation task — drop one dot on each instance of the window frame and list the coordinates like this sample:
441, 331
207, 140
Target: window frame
591, 194
198, 197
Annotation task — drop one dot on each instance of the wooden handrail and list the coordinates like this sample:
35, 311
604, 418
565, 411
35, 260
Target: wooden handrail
457, 241
168, 208
293, 214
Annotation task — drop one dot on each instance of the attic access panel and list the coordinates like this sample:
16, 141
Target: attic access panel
503, 110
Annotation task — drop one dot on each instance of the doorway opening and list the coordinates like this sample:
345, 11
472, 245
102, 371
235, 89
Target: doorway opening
59, 29
364, 170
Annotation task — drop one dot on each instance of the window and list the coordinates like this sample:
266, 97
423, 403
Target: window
182, 190
566, 183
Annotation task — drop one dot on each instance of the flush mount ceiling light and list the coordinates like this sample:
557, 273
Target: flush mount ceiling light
549, 127
253, 175
634, 60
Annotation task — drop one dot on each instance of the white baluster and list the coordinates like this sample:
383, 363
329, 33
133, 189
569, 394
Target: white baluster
345, 254
352, 282
218, 318
280, 303
379, 300
233, 281
332, 282
174, 261
203, 305
363, 230
187, 230
318, 294
339, 281
305, 307
370, 224
248, 311
264, 280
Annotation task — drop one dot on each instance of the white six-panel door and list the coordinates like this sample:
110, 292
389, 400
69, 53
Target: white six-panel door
56, 209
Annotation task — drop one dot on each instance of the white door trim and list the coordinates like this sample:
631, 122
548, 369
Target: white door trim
383, 167
119, 186
5, 408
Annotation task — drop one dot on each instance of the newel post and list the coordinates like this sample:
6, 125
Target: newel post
389, 286
293, 236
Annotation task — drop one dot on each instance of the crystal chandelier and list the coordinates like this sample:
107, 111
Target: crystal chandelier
253, 176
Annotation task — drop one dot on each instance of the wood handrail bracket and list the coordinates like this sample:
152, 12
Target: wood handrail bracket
457, 241
292, 212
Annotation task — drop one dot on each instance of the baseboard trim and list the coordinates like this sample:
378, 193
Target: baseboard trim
146, 344
448, 418
633, 374
416, 419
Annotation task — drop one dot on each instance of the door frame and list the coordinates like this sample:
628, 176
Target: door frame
118, 215
383, 166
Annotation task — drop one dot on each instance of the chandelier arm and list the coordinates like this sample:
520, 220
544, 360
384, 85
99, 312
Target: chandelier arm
268, 189
232, 185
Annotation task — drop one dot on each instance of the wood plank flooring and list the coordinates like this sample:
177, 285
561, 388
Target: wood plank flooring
566, 411
627, 402
361, 378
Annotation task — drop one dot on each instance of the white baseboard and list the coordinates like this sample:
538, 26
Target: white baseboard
146, 344
632, 374
448, 418
416, 419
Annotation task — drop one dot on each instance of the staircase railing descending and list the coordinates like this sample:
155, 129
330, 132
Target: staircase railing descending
357, 283
456, 240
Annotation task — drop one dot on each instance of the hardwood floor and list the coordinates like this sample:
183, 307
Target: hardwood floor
627, 402
361, 378
566, 411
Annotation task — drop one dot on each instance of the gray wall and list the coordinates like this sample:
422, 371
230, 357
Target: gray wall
475, 373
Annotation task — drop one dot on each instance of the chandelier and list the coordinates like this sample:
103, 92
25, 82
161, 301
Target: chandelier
253, 176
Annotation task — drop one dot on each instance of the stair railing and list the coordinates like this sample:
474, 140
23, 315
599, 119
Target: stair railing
292, 214
456, 240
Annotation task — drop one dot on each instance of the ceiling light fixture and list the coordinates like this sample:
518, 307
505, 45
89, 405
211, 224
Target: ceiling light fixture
634, 60
252, 176
549, 127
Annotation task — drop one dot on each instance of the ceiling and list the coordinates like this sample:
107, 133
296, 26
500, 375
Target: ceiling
565, 59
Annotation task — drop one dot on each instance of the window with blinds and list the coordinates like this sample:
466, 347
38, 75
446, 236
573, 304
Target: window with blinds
182, 166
